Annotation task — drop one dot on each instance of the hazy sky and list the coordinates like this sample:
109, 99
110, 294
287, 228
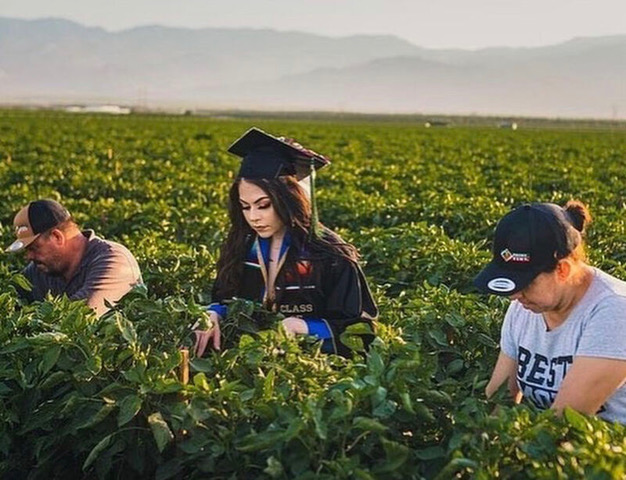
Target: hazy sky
428, 23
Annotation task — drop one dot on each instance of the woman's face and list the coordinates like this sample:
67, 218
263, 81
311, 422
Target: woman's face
541, 295
258, 210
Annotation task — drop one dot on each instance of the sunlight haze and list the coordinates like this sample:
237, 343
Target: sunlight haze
432, 24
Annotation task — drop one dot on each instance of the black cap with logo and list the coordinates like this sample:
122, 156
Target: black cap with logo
528, 241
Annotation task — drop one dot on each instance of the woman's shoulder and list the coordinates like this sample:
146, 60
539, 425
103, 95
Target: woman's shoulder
606, 285
605, 296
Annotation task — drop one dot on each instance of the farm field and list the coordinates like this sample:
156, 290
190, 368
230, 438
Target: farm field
101, 398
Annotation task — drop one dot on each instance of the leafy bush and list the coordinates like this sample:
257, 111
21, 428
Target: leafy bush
83, 397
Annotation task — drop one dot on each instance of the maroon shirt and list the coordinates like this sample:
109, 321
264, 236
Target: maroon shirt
107, 271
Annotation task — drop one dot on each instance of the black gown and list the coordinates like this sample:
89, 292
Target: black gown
329, 292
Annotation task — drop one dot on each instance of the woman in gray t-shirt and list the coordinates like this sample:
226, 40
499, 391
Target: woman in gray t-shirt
563, 335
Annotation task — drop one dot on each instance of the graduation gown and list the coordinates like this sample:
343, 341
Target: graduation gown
328, 292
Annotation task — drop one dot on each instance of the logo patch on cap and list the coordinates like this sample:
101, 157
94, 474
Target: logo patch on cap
21, 229
501, 284
508, 256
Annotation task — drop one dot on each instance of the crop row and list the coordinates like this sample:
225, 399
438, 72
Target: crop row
103, 398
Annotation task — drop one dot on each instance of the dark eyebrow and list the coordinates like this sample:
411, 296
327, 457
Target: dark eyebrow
256, 201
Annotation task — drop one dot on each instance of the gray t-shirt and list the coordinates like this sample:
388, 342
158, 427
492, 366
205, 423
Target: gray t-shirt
596, 327
107, 271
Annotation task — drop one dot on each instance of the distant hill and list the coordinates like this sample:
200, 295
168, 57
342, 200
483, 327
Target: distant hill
53, 60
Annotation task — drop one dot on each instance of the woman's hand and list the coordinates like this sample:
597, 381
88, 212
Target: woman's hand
295, 326
203, 337
504, 371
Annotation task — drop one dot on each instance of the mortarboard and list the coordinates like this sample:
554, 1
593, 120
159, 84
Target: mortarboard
266, 156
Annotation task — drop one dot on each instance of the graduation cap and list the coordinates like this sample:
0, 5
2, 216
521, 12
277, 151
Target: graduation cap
266, 156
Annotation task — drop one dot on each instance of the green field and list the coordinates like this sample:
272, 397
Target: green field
89, 398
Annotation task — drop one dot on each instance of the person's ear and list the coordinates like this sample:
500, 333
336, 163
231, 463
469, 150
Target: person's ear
563, 269
57, 237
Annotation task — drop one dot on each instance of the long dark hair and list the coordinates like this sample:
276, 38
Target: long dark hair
293, 206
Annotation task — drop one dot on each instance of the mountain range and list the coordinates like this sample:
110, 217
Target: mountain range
59, 61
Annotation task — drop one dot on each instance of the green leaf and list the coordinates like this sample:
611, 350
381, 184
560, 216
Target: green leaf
430, 453
385, 409
295, 427
321, 428
274, 468
247, 395
160, 430
268, 385
457, 465
360, 328
21, 281
375, 363
455, 366
379, 395
94, 365
260, 441
407, 403
15, 346
202, 365
97, 450
439, 337
100, 415
200, 381
49, 338
42, 418
135, 374
396, 455
127, 329
368, 425
423, 412
576, 419
361, 474
455, 320
246, 340
53, 380
193, 444
129, 407
486, 340
353, 342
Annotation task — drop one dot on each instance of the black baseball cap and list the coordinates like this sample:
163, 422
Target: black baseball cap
34, 219
266, 156
529, 240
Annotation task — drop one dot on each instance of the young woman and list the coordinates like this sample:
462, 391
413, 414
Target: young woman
562, 341
275, 252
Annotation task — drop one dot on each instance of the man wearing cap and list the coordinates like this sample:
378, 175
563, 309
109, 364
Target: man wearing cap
562, 341
65, 260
